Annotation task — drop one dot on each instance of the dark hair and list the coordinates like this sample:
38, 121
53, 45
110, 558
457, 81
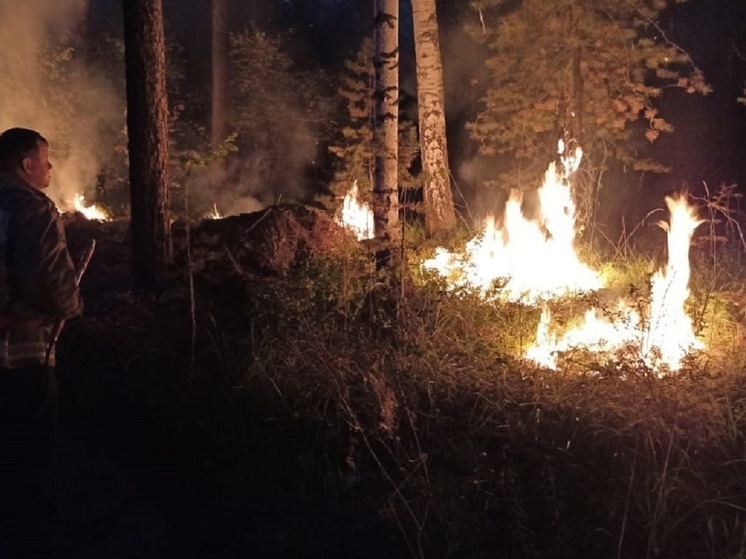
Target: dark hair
17, 144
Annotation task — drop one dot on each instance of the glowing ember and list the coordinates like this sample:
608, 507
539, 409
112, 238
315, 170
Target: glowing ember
92, 212
534, 258
666, 335
356, 216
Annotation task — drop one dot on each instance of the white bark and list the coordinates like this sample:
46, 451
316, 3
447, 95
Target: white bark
439, 211
386, 121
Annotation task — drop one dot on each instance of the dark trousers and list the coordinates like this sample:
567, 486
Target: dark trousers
28, 423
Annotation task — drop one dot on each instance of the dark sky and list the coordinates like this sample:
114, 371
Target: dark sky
709, 142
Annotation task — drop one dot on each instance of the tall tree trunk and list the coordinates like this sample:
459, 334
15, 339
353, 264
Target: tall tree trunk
147, 130
219, 90
386, 129
219, 52
440, 214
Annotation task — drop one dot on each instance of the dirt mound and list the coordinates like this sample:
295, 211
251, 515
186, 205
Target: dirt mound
269, 242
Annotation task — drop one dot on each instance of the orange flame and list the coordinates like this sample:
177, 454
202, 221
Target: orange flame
356, 216
666, 335
214, 213
92, 212
535, 258
670, 330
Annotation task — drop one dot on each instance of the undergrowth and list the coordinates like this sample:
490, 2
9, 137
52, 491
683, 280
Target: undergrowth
483, 454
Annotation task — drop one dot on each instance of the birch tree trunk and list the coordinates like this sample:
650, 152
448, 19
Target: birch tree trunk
386, 129
147, 131
440, 214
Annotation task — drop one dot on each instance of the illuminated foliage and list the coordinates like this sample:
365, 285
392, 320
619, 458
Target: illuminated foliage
354, 147
590, 68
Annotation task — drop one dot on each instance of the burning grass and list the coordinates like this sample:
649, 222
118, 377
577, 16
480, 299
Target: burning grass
487, 454
420, 401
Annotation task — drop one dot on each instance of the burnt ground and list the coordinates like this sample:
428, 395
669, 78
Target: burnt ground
161, 455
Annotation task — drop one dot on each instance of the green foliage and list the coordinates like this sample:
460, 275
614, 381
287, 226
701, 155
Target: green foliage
355, 154
353, 148
557, 64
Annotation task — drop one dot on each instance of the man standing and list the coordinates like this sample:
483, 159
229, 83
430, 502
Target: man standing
37, 289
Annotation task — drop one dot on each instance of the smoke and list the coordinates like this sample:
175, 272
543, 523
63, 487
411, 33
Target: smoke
46, 87
216, 192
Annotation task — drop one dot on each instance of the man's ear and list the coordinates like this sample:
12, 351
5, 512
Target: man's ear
25, 164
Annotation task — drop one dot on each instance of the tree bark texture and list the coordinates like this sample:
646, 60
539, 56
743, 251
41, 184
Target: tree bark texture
147, 129
386, 127
440, 214
219, 66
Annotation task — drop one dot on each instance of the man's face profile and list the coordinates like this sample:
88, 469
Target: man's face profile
36, 168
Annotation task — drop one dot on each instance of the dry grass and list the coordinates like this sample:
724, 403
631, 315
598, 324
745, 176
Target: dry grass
487, 455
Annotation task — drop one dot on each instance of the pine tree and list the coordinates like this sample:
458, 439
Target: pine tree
147, 129
585, 71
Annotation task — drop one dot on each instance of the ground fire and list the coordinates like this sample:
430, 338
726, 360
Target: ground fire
535, 260
519, 251
214, 213
91, 211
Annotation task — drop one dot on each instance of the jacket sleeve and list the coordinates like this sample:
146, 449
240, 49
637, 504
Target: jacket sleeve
41, 272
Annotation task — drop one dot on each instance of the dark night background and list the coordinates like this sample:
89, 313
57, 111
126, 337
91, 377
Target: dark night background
706, 148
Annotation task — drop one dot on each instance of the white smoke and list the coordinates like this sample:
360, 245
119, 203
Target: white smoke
46, 88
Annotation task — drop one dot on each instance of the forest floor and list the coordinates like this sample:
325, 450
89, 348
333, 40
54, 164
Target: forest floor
278, 398
157, 459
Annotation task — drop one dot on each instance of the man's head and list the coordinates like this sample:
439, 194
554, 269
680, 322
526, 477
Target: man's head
25, 153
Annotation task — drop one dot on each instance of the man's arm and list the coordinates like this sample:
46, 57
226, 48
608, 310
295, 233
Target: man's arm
41, 272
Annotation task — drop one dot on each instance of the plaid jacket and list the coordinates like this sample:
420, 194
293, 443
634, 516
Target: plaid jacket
37, 275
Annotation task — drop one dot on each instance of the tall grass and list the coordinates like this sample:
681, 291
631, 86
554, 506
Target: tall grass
483, 454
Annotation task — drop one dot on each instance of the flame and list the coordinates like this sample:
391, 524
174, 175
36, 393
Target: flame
92, 212
665, 336
356, 216
596, 333
536, 259
670, 329
214, 213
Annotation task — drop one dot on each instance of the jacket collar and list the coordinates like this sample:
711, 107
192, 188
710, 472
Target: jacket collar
10, 181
